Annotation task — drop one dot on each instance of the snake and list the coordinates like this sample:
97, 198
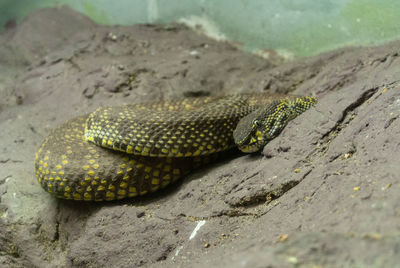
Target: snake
131, 150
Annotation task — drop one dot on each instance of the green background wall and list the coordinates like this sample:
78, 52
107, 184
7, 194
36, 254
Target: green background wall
292, 27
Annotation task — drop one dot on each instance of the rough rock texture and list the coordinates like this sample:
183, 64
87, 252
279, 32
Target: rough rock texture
322, 194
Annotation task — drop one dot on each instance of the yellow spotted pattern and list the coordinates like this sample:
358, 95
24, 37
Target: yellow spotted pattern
79, 170
181, 128
153, 145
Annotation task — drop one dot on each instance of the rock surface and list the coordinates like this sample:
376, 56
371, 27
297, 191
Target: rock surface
322, 194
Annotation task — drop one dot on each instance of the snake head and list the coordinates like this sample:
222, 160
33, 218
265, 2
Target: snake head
255, 130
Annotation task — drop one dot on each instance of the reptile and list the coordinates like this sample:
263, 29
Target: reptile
126, 151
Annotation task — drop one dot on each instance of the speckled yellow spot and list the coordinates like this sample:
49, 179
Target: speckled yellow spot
167, 168
87, 196
101, 188
110, 195
132, 189
196, 153
111, 187
121, 192
139, 166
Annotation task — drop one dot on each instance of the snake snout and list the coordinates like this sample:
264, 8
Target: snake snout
278, 116
256, 129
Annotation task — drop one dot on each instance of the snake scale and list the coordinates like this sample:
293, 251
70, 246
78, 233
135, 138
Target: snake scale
131, 150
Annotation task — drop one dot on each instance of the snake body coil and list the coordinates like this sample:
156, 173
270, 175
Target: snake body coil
125, 151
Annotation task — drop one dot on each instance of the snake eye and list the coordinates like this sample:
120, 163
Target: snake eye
256, 123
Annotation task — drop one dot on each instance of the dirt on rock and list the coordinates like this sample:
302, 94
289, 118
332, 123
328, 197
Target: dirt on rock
325, 193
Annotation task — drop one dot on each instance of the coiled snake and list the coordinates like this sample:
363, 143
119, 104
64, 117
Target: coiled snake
131, 150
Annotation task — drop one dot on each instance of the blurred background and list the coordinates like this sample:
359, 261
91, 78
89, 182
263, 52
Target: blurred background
294, 28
